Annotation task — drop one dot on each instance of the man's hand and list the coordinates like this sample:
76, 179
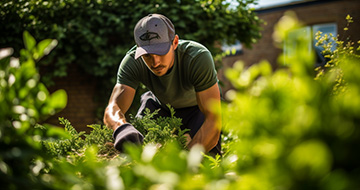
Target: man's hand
114, 118
126, 133
188, 138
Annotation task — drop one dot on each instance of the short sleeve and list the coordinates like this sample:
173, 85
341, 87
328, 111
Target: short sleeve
128, 72
203, 74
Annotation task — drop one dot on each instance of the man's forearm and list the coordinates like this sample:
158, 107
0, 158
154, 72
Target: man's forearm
123, 132
113, 117
208, 135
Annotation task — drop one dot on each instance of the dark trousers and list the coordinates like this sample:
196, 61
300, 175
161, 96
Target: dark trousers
192, 117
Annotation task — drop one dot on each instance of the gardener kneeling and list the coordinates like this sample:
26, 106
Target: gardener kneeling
177, 72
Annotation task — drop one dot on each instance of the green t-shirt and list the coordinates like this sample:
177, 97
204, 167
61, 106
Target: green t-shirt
193, 71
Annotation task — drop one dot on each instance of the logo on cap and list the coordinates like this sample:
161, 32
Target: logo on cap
149, 36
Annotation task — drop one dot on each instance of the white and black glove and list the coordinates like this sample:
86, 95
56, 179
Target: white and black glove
126, 133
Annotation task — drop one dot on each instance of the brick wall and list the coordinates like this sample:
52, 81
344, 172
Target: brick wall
81, 106
309, 13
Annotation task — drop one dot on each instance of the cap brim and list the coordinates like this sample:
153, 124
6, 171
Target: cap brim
158, 49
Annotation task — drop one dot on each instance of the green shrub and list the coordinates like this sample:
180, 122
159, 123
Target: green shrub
23, 102
160, 130
157, 131
294, 131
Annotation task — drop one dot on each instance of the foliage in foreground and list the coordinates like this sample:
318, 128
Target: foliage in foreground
23, 102
294, 131
287, 131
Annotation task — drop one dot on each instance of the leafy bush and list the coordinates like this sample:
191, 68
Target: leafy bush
160, 130
294, 132
59, 147
24, 101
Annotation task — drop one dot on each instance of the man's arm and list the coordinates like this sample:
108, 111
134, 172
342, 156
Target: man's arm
209, 133
120, 101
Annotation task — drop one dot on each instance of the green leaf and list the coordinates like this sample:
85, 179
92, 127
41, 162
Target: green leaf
29, 41
45, 46
58, 99
57, 132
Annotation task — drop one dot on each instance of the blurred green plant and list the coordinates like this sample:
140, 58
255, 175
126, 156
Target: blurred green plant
346, 49
23, 102
293, 131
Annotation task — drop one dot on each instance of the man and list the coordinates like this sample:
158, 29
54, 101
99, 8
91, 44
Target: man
177, 72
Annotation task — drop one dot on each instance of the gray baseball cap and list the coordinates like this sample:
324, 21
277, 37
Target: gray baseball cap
153, 35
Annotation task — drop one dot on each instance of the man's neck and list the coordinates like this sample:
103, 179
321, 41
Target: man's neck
172, 65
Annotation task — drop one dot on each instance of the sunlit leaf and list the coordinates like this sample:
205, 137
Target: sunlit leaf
58, 99
29, 41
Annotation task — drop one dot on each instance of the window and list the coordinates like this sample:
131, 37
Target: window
233, 49
329, 28
308, 33
290, 47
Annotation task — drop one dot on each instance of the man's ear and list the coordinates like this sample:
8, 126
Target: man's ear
175, 42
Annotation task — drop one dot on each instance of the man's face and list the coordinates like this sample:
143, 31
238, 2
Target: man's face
160, 64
